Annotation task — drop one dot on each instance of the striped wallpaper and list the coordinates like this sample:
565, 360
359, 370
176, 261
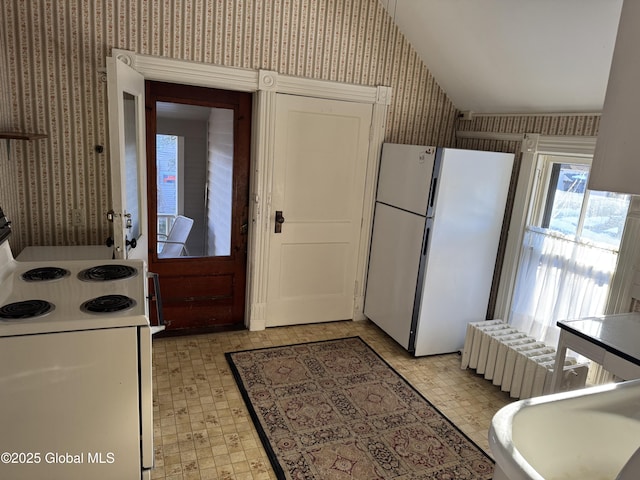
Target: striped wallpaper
51, 51
50, 77
570, 125
8, 190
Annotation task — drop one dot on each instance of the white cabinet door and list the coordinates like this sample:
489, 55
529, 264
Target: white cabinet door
321, 149
128, 159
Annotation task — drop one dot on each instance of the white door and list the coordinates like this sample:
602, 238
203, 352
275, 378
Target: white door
128, 160
321, 149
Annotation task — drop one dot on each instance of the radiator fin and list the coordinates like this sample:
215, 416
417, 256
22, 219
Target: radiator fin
515, 362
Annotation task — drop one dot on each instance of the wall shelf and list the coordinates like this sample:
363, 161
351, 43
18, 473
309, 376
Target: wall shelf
22, 135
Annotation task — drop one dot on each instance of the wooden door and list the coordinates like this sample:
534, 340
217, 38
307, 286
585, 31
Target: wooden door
203, 285
321, 149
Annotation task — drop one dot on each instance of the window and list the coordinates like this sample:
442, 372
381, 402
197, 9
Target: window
167, 181
570, 209
569, 249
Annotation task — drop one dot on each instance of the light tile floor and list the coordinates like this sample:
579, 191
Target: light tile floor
202, 429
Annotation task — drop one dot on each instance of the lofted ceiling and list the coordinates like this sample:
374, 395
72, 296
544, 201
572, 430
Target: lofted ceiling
514, 56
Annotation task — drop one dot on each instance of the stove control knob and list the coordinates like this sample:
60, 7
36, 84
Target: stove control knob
109, 242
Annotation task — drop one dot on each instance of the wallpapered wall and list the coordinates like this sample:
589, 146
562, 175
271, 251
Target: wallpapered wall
55, 48
8, 191
570, 125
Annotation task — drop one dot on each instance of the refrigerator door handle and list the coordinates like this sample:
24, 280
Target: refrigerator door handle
413, 331
426, 242
432, 200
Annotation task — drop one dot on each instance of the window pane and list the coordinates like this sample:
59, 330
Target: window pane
604, 217
131, 165
194, 158
167, 168
564, 201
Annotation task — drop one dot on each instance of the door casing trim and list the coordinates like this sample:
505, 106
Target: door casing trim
266, 85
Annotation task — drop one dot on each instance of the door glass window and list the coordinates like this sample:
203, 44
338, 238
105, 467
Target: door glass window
194, 181
131, 175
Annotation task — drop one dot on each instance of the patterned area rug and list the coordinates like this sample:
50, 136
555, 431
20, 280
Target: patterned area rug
337, 410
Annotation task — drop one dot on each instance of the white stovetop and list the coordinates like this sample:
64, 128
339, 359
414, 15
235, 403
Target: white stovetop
68, 294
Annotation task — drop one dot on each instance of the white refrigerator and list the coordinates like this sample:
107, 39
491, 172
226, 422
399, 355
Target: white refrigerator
436, 229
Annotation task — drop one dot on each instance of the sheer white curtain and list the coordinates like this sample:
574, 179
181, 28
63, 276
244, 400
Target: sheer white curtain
559, 278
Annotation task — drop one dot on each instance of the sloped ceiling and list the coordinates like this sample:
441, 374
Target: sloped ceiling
514, 56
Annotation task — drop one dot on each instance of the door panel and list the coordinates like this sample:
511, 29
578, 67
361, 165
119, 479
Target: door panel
208, 302
321, 151
303, 279
204, 287
128, 159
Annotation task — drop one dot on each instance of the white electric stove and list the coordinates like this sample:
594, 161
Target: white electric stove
75, 368
58, 296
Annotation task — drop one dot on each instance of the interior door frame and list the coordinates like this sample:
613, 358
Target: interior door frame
266, 85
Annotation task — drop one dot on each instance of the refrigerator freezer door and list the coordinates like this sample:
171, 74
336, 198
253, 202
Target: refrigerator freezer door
469, 209
393, 270
405, 176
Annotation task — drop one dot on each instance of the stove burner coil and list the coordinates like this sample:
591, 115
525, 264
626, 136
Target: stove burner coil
108, 303
104, 273
43, 274
25, 309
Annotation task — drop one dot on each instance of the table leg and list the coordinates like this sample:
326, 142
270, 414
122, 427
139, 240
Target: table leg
558, 368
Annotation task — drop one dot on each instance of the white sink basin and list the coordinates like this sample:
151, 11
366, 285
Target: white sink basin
583, 435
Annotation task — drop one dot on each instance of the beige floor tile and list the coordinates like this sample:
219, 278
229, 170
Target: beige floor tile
202, 429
